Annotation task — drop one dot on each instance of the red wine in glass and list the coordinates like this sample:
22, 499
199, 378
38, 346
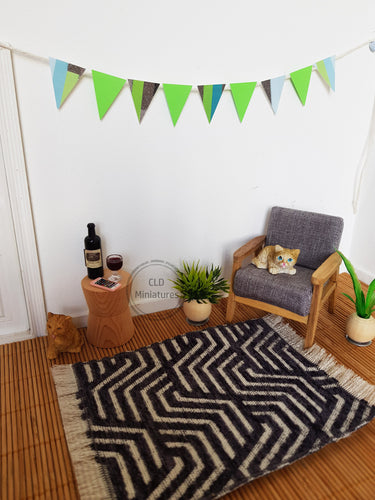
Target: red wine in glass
114, 263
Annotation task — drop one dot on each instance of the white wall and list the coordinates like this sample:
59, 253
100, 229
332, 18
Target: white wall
363, 242
198, 190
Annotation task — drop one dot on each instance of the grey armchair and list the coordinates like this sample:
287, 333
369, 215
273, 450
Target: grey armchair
300, 296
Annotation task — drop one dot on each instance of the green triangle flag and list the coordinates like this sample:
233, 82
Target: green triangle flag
301, 82
176, 96
242, 93
70, 82
107, 88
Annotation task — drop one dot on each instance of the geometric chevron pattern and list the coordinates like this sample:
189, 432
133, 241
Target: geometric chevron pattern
201, 414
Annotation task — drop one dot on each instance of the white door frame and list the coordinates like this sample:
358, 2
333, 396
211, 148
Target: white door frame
15, 169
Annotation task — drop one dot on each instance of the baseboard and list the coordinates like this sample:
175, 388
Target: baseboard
16, 337
151, 306
364, 276
80, 321
136, 308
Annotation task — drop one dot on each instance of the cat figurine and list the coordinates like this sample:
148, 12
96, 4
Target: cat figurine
277, 259
63, 336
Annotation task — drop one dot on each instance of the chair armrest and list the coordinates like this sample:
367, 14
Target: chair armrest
329, 267
248, 248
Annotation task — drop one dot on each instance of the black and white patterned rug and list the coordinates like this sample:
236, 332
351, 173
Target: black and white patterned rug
203, 413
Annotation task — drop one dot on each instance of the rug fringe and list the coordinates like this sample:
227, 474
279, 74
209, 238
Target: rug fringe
82, 455
346, 377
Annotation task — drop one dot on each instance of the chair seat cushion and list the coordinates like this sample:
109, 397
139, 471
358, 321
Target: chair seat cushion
289, 291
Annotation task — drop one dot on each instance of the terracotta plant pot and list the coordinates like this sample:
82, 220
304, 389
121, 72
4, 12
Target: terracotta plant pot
360, 331
197, 314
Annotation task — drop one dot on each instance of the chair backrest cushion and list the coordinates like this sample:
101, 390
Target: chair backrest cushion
316, 235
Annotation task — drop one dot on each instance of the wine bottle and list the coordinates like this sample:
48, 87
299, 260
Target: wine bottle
93, 253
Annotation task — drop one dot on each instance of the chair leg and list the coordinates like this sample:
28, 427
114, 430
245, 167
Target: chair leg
231, 306
310, 332
332, 298
313, 316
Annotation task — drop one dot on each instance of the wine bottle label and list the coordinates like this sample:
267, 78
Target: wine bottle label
93, 258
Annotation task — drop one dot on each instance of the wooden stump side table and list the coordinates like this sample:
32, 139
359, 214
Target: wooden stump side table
109, 322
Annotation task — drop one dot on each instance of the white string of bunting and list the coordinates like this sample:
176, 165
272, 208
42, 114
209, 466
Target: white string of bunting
65, 77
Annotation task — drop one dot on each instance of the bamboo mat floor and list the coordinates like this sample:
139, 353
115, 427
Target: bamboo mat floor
35, 462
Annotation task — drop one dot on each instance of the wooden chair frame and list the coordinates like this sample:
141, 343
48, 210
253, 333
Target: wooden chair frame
324, 281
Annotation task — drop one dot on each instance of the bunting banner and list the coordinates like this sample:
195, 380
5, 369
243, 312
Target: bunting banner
107, 88
301, 82
326, 69
242, 93
65, 77
176, 96
142, 93
210, 95
273, 89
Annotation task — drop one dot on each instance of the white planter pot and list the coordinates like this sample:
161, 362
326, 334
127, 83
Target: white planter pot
197, 314
360, 331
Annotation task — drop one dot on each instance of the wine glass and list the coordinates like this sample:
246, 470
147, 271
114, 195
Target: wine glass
114, 263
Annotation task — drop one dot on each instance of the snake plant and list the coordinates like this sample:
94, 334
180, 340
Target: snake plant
364, 304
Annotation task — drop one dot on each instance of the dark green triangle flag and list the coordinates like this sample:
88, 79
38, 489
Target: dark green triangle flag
242, 93
210, 95
107, 88
142, 94
176, 96
301, 82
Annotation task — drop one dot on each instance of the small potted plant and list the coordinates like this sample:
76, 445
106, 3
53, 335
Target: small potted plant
360, 326
199, 287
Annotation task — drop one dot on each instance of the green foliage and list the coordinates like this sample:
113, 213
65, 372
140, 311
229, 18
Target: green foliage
364, 305
195, 282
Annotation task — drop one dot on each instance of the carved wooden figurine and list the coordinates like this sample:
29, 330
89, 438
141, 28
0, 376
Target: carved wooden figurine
63, 336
